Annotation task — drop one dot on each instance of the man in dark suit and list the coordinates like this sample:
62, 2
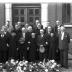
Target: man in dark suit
12, 45
64, 40
3, 47
23, 45
41, 45
57, 31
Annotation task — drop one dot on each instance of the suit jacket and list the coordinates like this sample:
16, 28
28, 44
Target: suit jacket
63, 44
3, 42
40, 40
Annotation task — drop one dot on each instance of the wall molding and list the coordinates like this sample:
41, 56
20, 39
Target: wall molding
71, 40
67, 25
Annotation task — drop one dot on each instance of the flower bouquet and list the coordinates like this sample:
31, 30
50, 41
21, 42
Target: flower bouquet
25, 66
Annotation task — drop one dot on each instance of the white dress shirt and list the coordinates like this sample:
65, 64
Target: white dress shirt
62, 35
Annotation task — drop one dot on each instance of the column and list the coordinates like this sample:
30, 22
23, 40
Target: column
71, 13
44, 14
59, 12
52, 13
8, 13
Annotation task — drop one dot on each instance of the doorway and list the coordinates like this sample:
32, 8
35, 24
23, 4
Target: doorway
26, 13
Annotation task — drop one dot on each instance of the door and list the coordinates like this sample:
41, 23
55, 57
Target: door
26, 13
33, 15
19, 15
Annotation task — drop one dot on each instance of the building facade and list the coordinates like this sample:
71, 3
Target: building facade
44, 12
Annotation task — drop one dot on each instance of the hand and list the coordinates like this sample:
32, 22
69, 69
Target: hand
46, 42
7, 45
57, 51
29, 42
27, 48
17, 49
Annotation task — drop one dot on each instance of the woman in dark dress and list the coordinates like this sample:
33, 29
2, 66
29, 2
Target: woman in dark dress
32, 47
3, 47
12, 45
22, 43
53, 48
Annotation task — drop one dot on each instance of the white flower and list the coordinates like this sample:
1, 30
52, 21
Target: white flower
13, 62
16, 62
58, 65
21, 63
30, 70
24, 68
46, 70
25, 63
53, 66
18, 68
57, 70
52, 61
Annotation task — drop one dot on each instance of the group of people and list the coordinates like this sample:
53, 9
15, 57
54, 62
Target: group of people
34, 43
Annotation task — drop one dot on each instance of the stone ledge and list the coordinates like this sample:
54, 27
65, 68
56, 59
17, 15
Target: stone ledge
67, 25
71, 40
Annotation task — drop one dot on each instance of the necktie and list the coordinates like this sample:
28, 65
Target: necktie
62, 35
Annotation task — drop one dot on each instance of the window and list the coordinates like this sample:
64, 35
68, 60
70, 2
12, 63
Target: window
66, 13
15, 12
26, 13
31, 19
22, 19
33, 15
36, 18
31, 12
16, 19
37, 12
22, 12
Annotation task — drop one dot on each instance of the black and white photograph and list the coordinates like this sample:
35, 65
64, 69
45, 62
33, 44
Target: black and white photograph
35, 36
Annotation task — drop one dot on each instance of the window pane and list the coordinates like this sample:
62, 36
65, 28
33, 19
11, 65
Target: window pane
64, 13
16, 19
36, 11
22, 19
22, 12
36, 18
31, 12
31, 19
68, 13
15, 11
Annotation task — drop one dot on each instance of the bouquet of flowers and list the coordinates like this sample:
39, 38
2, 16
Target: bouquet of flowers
10, 65
25, 66
52, 65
